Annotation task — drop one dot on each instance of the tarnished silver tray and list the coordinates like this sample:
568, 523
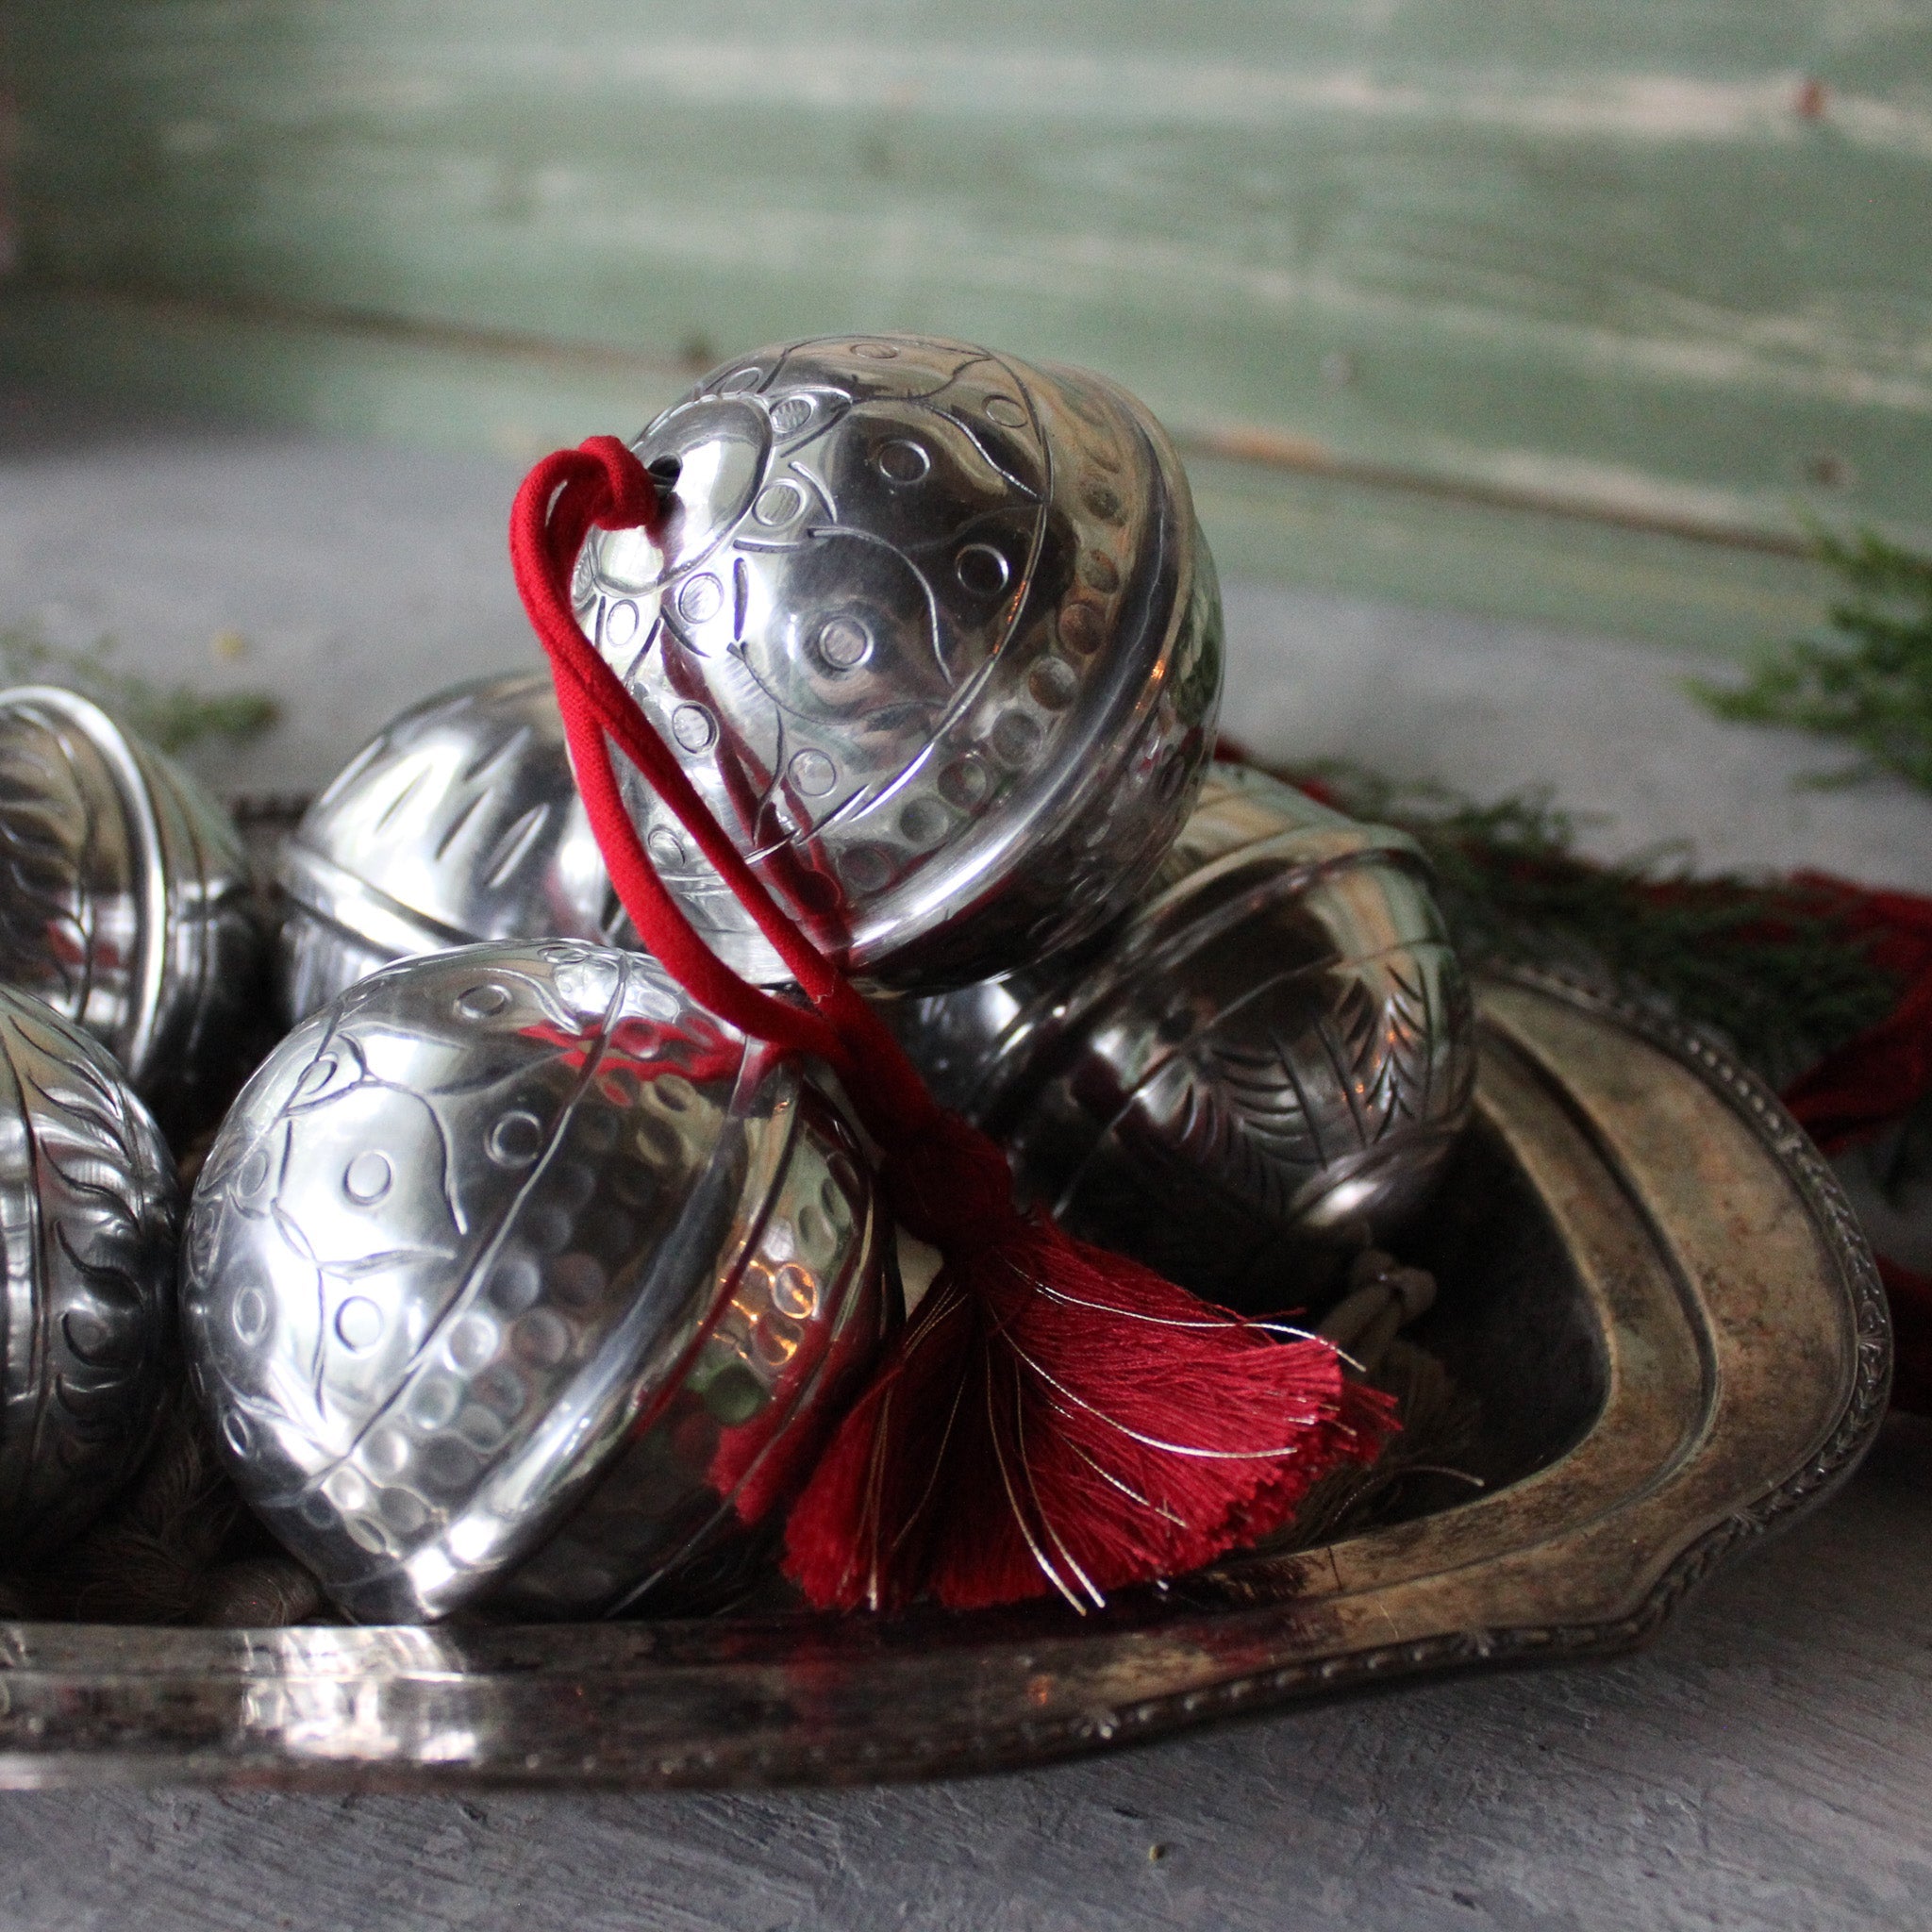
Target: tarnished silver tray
1647, 1275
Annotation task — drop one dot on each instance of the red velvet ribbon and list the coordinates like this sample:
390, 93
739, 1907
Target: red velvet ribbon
1872, 1082
1053, 1416
1881, 1074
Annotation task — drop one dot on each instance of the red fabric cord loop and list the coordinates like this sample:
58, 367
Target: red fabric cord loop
1053, 1416
604, 485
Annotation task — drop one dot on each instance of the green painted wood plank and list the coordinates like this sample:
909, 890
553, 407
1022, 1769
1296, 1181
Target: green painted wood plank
1439, 554
1263, 521
1596, 252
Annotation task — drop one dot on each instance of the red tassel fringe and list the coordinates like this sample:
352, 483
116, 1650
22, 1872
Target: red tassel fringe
1054, 1417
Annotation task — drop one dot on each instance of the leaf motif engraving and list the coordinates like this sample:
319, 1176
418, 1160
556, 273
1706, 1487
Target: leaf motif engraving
45, 830
100, 1268
1382, 1038
1247, 1123
500, 866
115, 1289
1258, 1107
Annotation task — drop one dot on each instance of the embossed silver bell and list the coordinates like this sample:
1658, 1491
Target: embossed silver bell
513, 1280
1264, 1066
88, 1200
458, 821
127, 900
939, 638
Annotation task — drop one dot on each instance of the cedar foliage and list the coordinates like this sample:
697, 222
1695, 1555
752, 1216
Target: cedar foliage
173, 716
1870, 687
1772, 967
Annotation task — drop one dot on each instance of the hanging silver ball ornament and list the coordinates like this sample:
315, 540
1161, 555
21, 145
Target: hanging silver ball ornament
1261, 1068
513, 1280
458, 821
127, 900
937, 637
88, 1206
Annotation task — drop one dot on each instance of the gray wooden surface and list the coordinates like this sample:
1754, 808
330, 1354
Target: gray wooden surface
1768, 1764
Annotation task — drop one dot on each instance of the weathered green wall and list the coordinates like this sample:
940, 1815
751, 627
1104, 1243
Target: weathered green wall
1408, 274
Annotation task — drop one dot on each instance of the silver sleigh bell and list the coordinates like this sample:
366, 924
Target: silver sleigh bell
126, 897
937, 637
514, 1280
88, 1204
458, 821
1260, 1069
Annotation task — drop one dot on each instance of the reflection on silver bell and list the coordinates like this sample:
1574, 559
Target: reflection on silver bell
125, 901
938, 639
1266, 1063
88, 1199
514, 1278
459, 821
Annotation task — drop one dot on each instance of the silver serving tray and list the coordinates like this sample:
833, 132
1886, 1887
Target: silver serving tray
1648, 1275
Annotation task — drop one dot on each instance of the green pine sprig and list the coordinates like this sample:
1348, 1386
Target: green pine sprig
1872, 685
174, 716
1775, 969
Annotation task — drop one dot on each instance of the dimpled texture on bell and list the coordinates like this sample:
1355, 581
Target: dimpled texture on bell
125, 900
512, 1235
1266, 1063
458, 821
938, 639
88, 1217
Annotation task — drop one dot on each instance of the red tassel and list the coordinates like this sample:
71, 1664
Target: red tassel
1054, 1417
1057, 1416
1880, 1075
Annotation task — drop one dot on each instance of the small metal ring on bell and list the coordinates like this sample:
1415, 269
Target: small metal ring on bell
458, 821
515, 1280
1265, 1065
87, 1198
127, 901
938, 639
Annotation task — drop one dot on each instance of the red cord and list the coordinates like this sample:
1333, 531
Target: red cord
1053, 1416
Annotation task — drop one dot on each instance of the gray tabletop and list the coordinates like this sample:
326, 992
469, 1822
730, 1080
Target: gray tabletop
1766, 1764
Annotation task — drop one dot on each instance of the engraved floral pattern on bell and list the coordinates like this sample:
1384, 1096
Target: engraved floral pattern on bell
125, 901
938, 637
458, 821
512, 1277
1265, 1065
88, 1202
